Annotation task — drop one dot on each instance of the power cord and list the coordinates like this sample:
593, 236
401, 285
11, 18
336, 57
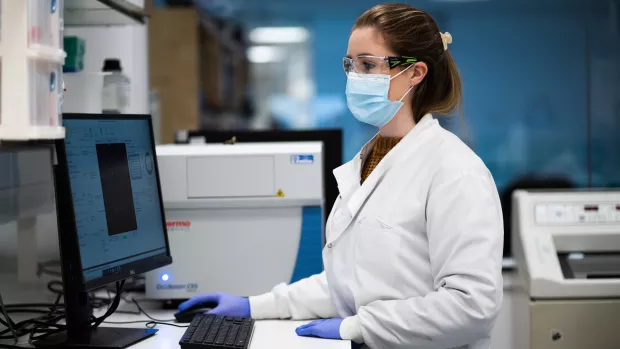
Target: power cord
151, 323
8, 346
148, 323
112, 308
51, 313
9, 322
147, 315
45, 268
49, 319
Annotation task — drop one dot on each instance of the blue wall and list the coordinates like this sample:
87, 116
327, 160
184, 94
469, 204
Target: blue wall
525, 88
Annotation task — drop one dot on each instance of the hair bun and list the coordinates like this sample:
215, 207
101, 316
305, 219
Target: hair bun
446, 38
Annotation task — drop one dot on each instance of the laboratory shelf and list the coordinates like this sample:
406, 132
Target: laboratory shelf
81, 13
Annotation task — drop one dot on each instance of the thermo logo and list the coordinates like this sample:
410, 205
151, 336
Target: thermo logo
178, 225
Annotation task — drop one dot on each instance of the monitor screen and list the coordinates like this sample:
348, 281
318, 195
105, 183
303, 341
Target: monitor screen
116, 195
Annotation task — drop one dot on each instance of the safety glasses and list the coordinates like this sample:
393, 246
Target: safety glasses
375, 64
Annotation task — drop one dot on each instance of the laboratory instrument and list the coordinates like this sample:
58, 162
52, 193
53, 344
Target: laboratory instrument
332, 148
241, 218
567, 249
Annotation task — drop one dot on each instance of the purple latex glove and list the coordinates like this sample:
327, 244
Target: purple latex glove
329, 328
224, 304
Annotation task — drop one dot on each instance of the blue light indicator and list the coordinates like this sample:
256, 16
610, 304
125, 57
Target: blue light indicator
165, 277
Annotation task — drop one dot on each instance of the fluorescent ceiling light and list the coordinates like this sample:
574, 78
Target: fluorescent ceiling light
279, 35
265, 54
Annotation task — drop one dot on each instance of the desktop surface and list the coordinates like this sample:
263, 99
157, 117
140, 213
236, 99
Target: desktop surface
268, 334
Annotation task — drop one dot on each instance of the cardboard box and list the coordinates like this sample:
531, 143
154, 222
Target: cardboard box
174, 68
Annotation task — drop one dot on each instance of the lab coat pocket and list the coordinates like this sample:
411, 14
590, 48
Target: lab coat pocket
376, 252
340, 221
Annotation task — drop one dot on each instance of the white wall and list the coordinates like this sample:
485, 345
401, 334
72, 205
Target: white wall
130, 45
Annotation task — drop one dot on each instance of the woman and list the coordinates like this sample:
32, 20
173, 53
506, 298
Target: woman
414, 242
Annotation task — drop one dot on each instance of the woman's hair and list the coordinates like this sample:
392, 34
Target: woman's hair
412, 32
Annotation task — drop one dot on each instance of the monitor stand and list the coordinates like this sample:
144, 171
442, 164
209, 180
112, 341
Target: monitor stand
100, 338
78, 311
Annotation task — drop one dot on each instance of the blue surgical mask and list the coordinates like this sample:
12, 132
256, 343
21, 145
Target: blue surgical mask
367, 98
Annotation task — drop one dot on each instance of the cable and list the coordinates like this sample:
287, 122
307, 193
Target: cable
33, 305
43, 325
51, 313
8, 346
49, 320
50, 287
27, 311
149, 324
22, 327
147, 315
44, 333
43, 268
113, 306
9, 322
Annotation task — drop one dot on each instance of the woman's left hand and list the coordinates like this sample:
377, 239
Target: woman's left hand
328, 328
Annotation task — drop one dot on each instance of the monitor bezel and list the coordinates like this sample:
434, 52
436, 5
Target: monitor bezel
69, 227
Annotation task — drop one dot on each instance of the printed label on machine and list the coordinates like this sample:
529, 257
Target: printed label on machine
306, 159
178, 225
191, 287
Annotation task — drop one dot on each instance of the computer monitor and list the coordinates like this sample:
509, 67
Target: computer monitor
332, 152
110, 218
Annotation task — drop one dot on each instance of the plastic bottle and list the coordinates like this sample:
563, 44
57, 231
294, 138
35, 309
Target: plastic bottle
116, 88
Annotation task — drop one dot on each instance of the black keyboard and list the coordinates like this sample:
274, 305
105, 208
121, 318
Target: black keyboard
216, 332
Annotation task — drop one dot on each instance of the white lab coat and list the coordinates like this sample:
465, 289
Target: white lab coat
413, 256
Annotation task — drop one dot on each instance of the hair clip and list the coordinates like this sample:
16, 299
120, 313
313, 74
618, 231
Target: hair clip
446, 38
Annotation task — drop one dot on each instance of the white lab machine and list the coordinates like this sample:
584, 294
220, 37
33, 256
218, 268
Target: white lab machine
241, 218
567, 250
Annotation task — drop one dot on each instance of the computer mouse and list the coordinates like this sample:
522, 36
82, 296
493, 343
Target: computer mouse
188, 314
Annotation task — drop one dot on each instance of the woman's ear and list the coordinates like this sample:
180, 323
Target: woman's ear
420, 70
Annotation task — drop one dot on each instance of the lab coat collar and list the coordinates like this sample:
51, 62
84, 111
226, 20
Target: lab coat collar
348, 175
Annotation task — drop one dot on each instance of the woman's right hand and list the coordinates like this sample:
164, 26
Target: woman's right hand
223, 304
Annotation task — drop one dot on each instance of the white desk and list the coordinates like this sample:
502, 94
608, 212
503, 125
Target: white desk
267, 334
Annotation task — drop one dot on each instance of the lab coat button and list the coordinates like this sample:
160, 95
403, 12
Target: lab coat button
329, 245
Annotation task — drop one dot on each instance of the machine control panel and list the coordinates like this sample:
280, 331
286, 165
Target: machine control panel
577, 213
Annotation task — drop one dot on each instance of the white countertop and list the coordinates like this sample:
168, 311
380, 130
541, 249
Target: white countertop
272, 334
267, 334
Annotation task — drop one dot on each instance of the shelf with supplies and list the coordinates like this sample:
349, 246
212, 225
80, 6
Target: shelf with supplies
88, 13
31, 73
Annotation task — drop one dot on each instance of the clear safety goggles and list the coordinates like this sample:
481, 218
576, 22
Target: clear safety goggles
375, 64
